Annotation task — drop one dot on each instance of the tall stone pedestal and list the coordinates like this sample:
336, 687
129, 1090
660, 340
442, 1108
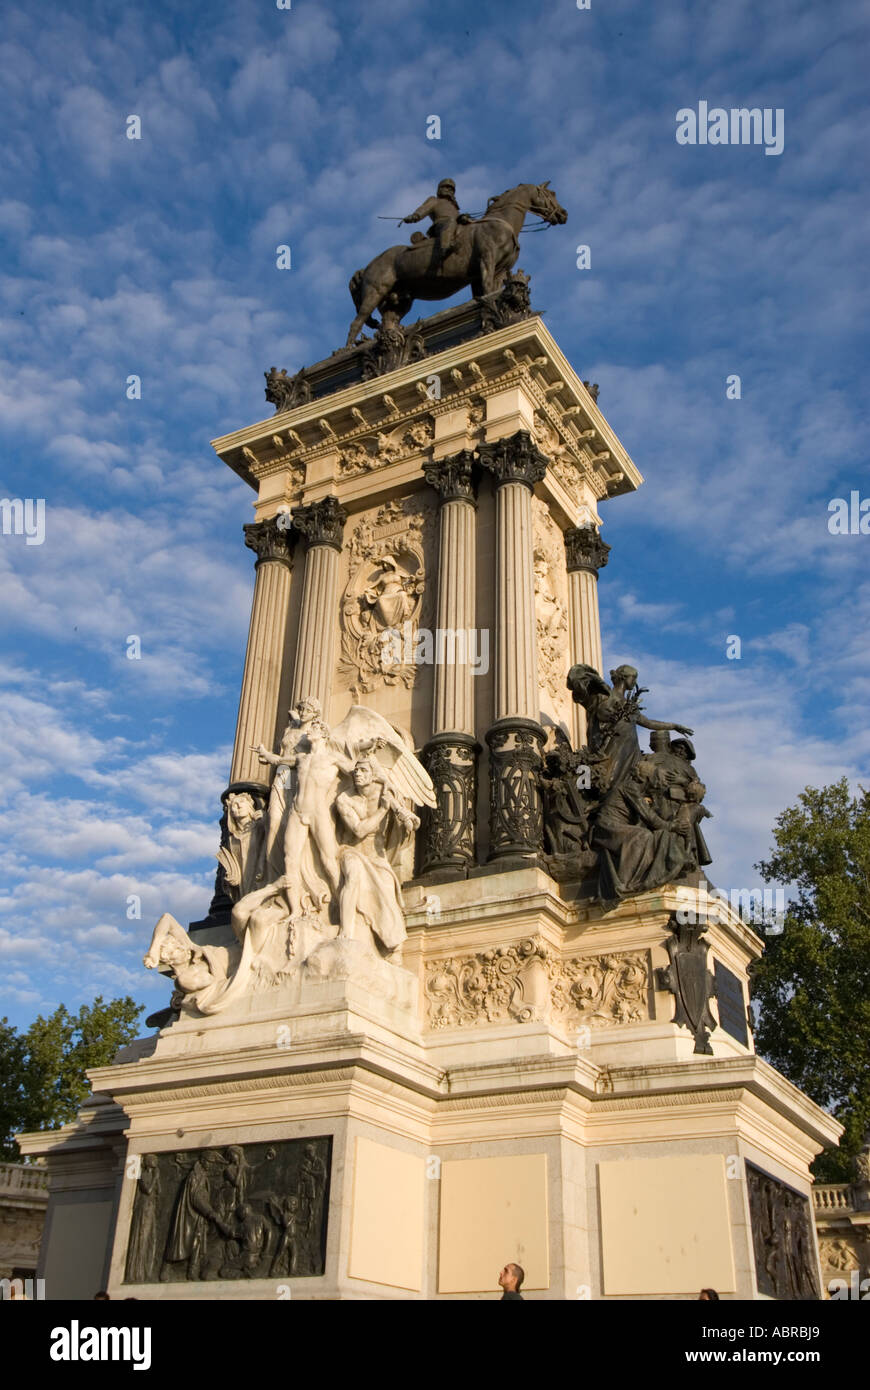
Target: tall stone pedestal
516, 1090
537, 1079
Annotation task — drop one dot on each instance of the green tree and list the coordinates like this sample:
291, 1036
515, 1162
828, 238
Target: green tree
42, 1070
812, 984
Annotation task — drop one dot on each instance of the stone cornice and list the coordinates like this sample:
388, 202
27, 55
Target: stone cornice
525, 351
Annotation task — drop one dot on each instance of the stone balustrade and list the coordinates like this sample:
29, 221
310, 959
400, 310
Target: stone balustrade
21, 1177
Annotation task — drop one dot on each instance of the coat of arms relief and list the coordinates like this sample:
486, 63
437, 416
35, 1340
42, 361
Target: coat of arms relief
383, 599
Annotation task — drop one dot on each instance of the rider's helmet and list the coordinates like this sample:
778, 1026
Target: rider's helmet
447, 186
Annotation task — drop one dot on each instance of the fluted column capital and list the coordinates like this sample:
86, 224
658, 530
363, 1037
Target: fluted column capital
514, 459
453, 477
585, 550
271, 539
321, 523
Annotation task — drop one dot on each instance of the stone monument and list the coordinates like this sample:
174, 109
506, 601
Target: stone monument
465, 993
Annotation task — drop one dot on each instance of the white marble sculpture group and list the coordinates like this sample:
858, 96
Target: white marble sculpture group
315, 867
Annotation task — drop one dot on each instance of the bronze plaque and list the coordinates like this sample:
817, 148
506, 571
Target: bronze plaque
240, 1211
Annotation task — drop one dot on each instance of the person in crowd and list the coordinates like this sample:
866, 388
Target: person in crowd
511, 1279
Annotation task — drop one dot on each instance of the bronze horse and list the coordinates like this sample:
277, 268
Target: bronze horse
486, 250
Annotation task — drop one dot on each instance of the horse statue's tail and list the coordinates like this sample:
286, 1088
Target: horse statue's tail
355, 287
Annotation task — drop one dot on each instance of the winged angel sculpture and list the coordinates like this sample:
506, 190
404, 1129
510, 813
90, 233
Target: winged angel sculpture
319, 865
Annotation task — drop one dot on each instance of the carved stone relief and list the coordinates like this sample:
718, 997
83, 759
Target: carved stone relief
381, 607
362, 455
838, 1254
560, 461
551, 605
244, 1211
529, 981
323, 854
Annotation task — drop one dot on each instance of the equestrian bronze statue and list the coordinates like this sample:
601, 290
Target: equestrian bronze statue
461, 252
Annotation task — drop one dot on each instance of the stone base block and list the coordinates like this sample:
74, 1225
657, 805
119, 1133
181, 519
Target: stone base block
518, 1090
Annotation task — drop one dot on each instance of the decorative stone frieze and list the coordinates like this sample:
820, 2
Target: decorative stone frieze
529, 981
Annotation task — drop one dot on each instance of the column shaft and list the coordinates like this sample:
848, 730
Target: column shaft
585, 554
454, 683
448, 838
516, 738
315, 648
322, 525
516, 673
258, 703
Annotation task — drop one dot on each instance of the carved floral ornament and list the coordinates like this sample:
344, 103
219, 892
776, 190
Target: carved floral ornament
529, 981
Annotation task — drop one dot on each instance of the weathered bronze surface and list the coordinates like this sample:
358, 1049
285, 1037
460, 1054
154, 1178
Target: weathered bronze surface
243, 1211
689, 980
782, 1238
479, 253
638, 813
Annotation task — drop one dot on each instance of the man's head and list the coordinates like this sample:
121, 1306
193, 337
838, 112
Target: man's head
363, 774
308, 708
446, 188
173, 952
684, 748
511, 1278
659, 741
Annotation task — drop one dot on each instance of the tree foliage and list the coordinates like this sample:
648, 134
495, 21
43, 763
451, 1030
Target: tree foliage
42, 1070
813, 982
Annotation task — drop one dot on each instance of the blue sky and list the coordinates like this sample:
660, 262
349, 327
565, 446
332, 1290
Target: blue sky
156, 257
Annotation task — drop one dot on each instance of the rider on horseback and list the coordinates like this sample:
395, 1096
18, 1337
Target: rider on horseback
446, 217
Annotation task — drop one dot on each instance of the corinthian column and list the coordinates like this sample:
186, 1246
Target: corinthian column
516, 738
322, 525
448, 836
258, 704
585, 554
